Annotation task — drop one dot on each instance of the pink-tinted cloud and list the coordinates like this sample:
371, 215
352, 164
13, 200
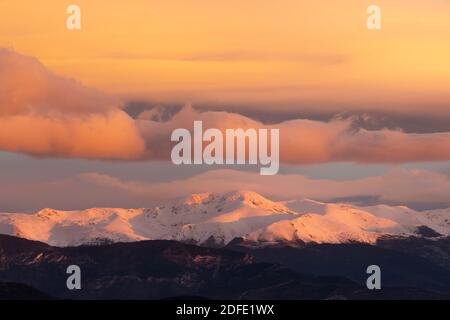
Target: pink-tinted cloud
397, 186
306, 141
46, 115
26, 86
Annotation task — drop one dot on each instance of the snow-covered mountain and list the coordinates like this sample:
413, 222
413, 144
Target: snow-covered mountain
219, 218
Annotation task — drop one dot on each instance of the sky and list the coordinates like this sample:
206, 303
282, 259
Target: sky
359, 110
260, 53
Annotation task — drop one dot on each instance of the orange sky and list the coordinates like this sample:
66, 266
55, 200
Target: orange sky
266, 54
253, 51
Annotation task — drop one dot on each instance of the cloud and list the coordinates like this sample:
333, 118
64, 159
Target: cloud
45, 115
49, 116
307, 141
398, 186
26, 86
96, 136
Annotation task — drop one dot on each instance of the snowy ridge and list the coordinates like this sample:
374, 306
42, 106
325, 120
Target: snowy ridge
219, 218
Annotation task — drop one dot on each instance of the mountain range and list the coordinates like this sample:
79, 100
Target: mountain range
167, 269
235, 245
217, 219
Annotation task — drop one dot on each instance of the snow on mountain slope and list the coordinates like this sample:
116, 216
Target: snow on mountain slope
219, 218
438, 220
215, 217
197, 218
338, 224
63, 228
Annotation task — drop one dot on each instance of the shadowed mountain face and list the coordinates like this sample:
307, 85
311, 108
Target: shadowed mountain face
19, 291
405, 262
164, 269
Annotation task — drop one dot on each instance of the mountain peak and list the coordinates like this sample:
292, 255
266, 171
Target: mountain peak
47, 212
221, 217
247, 197
198, 198
235, 199
232, 196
